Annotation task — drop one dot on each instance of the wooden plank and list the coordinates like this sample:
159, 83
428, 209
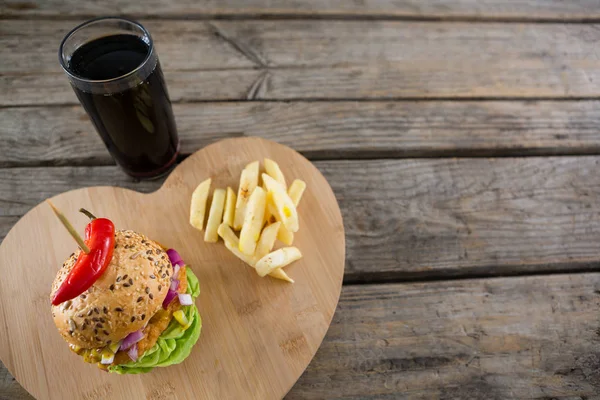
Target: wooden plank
472, 9
533, 337
32, 46
287, 60
65, 136
407, 219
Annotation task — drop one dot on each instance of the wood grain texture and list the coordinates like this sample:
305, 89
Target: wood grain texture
270, 60
533, 337
249, 324
324, 130
472, 9
407, 219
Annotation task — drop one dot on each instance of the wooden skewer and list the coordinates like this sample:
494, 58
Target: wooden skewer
70, 228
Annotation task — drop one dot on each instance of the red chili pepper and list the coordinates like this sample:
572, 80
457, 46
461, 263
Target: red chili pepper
100, 238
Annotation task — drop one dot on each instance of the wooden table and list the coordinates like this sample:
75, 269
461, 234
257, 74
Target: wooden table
461, 139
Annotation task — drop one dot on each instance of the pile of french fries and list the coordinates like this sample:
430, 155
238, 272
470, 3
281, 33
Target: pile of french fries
261, 213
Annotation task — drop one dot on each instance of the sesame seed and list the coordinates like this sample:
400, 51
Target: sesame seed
147, 290
151, 296
83, 296
99, 325
155, 263
112, 287
152, 277
119, 279
159, 287
118, 309
95, 319
143, 317
140, 299
164, 275
105, 310
132, 319
66, 304
95, 331
130, 281
150, 258
80, 315
90, 312
96, 310
149, 252
96, 338
102, 320
125, 276
126, 285
105, 332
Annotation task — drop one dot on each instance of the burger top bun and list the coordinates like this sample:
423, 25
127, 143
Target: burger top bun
122, 300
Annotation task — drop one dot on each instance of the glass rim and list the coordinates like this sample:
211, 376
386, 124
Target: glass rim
111, 80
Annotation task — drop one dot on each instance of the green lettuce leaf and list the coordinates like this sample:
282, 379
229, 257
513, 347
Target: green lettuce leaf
175, 343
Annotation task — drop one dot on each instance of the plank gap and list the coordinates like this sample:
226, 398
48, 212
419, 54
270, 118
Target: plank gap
495, 272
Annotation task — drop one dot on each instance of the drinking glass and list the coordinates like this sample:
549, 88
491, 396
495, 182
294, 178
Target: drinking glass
114, 70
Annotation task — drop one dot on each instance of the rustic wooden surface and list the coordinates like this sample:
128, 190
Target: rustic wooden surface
304, 59
461, 141
517, 9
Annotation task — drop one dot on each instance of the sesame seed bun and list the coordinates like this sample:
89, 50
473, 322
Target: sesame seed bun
122, 300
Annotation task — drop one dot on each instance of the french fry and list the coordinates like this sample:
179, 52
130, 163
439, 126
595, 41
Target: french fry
248, 182
267, 240
277, 259
198, 206
274, 171
250, 260
255, 212
286, 210
284, 235
228, 235
280, 274
232, 244
214, 216
229, 207
296, 191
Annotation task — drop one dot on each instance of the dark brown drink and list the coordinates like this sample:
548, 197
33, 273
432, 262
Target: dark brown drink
119, 82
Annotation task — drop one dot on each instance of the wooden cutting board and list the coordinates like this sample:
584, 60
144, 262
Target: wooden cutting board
258, 334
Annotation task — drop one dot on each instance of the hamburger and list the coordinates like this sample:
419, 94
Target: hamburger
138, 314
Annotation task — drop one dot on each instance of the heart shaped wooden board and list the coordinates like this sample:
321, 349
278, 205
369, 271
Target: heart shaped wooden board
258, 334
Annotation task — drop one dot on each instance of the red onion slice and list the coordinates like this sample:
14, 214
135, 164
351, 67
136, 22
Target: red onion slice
171, 294
133, 353
174, 285
185, 299
131, 339
174, 257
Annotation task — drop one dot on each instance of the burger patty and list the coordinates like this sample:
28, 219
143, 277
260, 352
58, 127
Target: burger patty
157, 324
